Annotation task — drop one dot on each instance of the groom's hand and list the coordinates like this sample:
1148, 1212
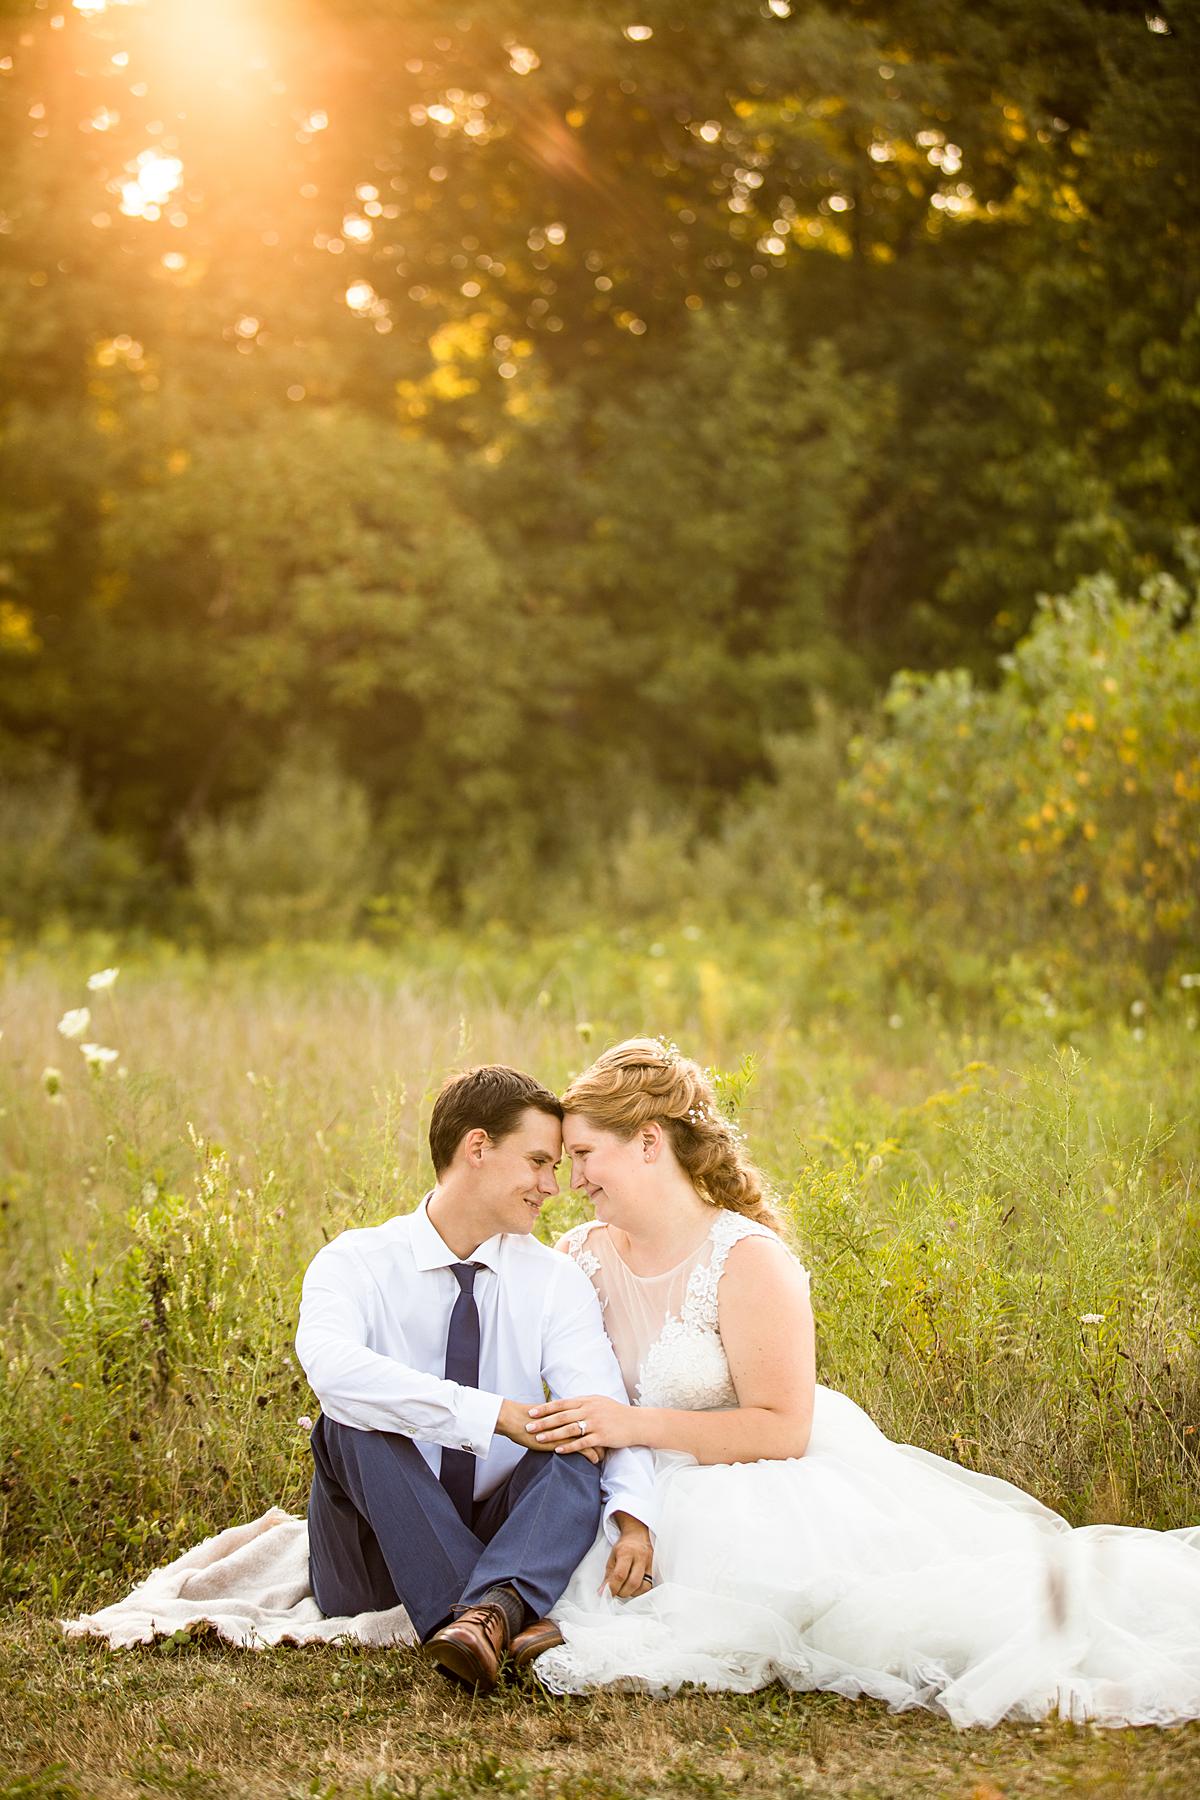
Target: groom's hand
514, 1423
630, 1560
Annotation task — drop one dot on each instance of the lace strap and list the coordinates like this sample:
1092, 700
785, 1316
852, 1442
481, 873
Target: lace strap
576, 1246
700, 1301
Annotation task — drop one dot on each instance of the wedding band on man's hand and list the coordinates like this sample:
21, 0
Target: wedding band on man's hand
582, 1425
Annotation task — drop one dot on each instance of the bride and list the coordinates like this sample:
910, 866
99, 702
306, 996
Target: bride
795, 1542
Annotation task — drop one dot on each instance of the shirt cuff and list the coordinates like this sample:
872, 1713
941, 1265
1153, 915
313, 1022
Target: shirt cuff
474, 1421
633, 1504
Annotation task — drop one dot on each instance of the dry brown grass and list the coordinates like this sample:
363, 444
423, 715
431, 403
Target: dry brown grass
202, 1721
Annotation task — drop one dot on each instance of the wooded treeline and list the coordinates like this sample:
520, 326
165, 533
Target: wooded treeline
509, 419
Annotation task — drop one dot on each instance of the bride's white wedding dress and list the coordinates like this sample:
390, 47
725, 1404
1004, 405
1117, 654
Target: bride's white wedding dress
863, 1567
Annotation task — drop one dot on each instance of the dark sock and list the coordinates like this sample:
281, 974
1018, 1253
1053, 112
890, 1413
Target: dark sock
510, 1604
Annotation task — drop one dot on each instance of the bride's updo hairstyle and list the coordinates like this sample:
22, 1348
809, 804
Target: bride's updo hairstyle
645, 1081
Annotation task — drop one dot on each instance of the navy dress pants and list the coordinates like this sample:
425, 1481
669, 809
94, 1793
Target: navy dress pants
382, 1529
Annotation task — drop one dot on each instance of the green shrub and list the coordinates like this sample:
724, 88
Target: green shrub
1059, 811
789, 834
54, 864
293, 863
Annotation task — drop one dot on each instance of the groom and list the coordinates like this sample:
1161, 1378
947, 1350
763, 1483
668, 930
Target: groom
426, 1340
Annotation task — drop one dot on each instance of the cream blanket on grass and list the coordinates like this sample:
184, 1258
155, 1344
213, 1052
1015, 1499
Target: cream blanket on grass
250, 1583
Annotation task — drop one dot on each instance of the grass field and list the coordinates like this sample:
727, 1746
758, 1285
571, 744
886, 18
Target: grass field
996, 1195
202, 1722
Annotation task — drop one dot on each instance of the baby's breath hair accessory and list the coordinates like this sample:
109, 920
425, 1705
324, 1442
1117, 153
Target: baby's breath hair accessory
710, 1115
668, 1048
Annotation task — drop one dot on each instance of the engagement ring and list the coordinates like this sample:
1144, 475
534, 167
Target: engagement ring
582, 1424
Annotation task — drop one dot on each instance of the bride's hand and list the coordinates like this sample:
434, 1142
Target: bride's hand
608, 1424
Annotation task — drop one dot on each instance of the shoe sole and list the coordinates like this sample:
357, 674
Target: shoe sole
457, 1662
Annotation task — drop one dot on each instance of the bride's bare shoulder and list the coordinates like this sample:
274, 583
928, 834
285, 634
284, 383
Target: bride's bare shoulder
763, 1261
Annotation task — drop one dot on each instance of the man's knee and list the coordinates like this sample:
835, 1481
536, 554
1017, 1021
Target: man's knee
579, 1469
576, 1470
576, 1482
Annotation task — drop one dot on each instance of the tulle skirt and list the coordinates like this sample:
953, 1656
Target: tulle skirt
868, 1567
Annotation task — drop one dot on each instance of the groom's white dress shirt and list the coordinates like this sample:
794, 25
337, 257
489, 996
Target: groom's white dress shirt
374, 1317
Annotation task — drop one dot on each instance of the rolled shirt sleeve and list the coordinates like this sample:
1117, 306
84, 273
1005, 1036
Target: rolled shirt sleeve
577, 1358
361, 1387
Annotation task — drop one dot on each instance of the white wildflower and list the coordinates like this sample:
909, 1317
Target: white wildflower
52, 1083
102, 980
98, 1056
74, 1023
304, 1422
1091, 1318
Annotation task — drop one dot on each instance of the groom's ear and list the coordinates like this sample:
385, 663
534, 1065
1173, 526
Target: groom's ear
474, 1143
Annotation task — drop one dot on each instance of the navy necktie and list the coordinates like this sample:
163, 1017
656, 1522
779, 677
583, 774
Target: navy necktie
462, 1365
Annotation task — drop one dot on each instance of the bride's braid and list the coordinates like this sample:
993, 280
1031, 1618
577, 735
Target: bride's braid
644, 1080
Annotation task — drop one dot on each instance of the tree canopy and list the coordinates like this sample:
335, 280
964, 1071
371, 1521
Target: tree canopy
544, 408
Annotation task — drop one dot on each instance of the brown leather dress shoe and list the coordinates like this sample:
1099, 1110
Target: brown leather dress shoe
543, 1634
470, 1647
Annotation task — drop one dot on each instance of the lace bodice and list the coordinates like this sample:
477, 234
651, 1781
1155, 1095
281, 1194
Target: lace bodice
666, 1328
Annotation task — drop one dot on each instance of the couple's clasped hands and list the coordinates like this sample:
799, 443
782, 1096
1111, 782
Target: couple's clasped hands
555, 1425
606, 1424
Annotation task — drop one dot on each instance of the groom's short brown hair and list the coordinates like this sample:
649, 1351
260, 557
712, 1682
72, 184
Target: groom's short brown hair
492, 1096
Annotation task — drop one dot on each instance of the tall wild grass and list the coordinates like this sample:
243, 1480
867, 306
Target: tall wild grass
1000, 1213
